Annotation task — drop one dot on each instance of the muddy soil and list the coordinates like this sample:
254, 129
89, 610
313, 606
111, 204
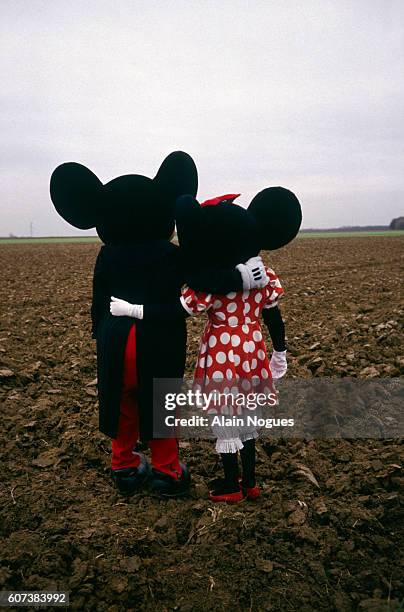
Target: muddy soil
331, 542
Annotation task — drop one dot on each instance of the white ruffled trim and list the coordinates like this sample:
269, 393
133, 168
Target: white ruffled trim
186, 307
232, 445
250, 435
271, 305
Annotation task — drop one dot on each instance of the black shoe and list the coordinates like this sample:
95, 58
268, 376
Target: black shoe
166, 486
129, 481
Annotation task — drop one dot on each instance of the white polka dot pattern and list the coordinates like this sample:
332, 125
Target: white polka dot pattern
235, 340
232, 347
220, 357
225, 338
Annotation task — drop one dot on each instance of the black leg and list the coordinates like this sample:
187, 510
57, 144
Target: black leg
247, 454
230, 482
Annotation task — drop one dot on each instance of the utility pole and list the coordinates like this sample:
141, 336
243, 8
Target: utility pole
31, 229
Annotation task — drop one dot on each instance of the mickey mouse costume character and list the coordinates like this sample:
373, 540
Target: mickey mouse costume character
134, 217
232, 346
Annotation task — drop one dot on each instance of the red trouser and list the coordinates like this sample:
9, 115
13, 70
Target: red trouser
164, 452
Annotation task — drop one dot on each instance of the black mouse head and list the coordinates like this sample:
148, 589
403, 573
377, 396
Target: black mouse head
220, 233
128, 209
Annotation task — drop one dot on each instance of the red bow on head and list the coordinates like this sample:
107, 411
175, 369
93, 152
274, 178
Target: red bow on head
230, 197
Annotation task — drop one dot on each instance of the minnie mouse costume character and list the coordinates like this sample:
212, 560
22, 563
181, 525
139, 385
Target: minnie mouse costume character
234, 330
232, 349
134, 217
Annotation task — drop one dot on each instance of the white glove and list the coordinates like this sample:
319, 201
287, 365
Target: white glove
278, 364
120, 308
253, 273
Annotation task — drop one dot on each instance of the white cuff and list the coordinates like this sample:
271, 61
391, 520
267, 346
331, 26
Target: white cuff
242, 268
136, 311
186, 307
272, 305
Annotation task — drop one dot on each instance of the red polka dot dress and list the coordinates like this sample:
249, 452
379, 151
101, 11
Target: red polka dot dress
232, 347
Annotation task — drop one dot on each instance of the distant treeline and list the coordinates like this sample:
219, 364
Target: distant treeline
14, 237
396, 224
350, 228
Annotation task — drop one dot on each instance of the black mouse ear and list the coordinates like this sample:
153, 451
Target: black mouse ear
278, 214
177, 175
75, 192
188, 219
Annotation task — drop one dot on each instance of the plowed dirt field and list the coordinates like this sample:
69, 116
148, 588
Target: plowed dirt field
335, 546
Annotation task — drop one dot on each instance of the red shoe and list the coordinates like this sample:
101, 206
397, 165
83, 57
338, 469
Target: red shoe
250, 492
218, 493
229, 498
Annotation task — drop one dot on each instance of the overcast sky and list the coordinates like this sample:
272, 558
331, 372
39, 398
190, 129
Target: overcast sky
307, 94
